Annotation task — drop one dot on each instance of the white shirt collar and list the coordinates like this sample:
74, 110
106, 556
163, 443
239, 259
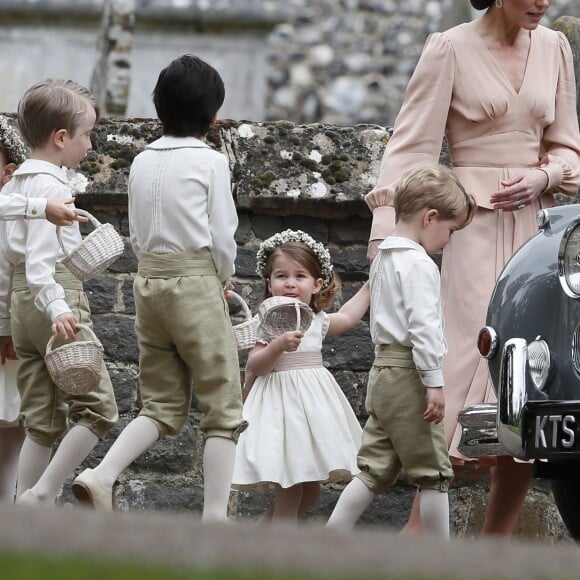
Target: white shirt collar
33, 166
170, 142
399, 242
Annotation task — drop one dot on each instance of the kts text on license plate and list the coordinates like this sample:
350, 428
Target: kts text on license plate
551, 429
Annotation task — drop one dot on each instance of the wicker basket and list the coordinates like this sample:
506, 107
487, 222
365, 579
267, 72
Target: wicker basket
246, 332
280, 314
96, 252
75, 367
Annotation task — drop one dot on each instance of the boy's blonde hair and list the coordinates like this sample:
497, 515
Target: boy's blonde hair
434, 187
52, 105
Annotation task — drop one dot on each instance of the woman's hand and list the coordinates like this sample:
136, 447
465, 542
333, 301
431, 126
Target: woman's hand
520, 191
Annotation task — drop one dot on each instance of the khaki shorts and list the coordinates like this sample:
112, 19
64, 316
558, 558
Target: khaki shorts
46, 409
395, 435
185, 334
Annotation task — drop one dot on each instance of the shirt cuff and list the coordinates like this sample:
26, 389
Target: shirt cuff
36, 207
431, 378
56, 308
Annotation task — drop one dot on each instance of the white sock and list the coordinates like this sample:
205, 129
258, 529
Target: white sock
71, 452
135, 439
434, 506
218, 469
351, 504
31, 464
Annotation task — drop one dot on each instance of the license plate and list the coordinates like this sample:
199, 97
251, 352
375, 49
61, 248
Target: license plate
551, 430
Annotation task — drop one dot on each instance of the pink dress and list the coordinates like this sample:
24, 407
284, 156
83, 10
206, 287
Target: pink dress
459, 90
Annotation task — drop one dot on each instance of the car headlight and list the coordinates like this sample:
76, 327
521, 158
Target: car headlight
569, 260
539, 362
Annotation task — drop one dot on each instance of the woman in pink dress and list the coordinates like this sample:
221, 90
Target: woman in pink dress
501, 89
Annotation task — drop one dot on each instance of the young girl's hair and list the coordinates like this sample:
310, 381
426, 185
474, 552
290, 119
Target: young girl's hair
11, 146
436, 187
51, 105
301, 248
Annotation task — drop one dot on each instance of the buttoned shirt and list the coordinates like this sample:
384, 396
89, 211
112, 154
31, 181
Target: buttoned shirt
35, 242
406, 306
18, 206
180, 200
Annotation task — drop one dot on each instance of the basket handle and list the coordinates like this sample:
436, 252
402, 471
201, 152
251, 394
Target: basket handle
84, 327
237, 298
96, 223
297, 308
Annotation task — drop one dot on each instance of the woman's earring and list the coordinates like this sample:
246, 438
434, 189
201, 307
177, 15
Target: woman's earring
499, 3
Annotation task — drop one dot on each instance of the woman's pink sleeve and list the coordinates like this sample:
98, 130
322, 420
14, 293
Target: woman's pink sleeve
419, 128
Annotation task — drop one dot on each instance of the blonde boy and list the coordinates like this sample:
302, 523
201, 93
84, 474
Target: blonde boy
182, 221
56, 118
405, 397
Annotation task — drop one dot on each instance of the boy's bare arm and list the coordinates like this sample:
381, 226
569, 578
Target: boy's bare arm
435, 400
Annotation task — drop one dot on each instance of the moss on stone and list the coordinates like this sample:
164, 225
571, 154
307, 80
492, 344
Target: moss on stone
264, 180
295, 140
269, 139
309, 164
90, 167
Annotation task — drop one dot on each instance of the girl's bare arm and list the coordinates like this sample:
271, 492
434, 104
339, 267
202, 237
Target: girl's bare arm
350, 312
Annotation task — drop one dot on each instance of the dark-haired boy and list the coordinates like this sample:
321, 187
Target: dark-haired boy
182, 222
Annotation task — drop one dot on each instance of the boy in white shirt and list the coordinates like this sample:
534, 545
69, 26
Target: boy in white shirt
182, 221
18, 206
56, 118
405, 397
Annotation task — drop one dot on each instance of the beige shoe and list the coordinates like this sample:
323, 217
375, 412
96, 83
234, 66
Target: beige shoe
89, 491
29, 499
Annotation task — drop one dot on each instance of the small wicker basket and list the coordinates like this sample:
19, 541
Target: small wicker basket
76, 367
96, 252
246, 332
280, 314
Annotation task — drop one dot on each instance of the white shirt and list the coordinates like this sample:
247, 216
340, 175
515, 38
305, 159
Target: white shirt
406, 307
18, 206
35, 242
180, 200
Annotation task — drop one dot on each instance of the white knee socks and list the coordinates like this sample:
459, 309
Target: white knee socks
71, 452
434, 506
352, 502
218, 469
31, 464
135, 439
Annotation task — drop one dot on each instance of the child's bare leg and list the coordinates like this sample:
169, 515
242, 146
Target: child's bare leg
32, 462
414, 524
11, 439
434, 510
73, 449
353, 501
509, 485
218, 469
287, 503
310, 496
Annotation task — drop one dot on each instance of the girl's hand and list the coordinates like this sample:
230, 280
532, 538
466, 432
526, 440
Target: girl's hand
520, 190
289, 341
435, 405
65, 325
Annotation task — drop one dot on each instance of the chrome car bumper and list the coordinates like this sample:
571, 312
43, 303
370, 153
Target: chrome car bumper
496, 429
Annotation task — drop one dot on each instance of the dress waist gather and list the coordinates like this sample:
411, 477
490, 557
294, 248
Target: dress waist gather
298, 360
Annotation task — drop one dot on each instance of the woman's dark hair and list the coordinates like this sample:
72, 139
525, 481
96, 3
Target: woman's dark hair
481, 4
188, 94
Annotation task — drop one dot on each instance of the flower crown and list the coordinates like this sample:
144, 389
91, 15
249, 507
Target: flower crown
269, 245
15, 149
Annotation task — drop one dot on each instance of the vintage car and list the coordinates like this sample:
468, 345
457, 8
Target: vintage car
532, 344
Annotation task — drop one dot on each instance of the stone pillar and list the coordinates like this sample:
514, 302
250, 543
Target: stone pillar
112, 74
570, 26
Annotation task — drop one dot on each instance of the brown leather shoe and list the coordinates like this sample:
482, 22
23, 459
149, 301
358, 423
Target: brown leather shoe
89, 491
